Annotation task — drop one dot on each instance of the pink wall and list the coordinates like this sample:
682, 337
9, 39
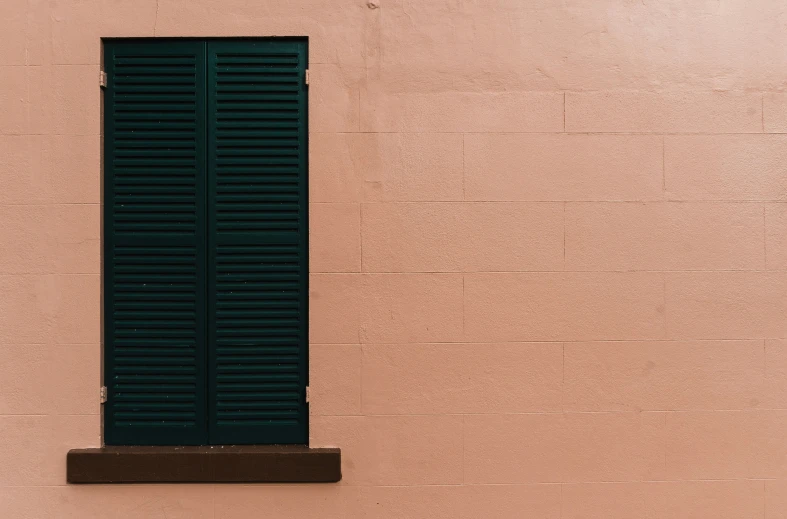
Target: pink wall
549, 254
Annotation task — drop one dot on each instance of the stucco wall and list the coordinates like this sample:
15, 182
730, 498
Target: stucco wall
548, 252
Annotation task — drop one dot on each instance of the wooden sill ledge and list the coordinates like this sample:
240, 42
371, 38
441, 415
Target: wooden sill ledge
208, 464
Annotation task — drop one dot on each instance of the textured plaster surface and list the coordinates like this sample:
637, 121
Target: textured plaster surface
548, 253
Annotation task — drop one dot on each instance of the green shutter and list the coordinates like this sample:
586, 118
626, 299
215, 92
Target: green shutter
154, 230
206, 242
257, 242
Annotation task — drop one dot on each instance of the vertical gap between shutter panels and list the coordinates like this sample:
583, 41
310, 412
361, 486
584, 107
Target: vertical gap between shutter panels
206, 243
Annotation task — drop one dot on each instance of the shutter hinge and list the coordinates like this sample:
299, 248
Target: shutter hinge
306, 77
103, 394
307, 394
102, 79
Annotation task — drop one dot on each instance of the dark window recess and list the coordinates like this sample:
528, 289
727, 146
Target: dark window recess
205, 242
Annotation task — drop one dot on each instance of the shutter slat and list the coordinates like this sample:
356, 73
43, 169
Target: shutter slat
154, 244
257, 238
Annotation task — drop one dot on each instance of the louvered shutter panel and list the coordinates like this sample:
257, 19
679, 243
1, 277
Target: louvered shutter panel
257, 242
154, 220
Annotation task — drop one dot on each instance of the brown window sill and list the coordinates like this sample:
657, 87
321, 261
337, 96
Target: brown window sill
211, 464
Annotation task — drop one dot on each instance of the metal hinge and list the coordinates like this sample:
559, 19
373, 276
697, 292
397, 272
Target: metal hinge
306, 77
307, 394
103, 394
102, 79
